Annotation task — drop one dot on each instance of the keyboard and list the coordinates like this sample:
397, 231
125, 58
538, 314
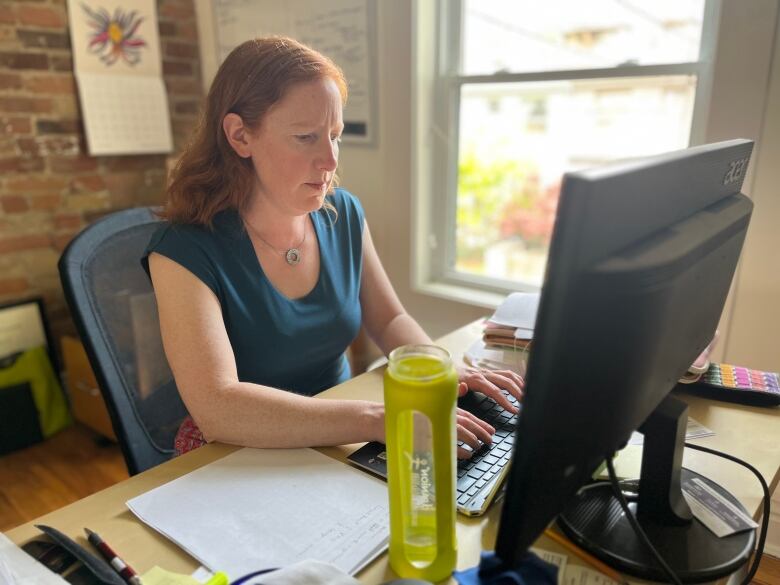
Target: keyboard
481, 477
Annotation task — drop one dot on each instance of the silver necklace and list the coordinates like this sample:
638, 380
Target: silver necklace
292, 255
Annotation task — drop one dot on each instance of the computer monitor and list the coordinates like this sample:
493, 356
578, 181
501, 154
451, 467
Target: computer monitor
640, 264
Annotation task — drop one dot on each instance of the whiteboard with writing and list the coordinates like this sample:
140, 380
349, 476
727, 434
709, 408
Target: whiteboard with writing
344, 30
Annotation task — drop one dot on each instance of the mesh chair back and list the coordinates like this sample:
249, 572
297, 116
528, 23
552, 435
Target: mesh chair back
113, 305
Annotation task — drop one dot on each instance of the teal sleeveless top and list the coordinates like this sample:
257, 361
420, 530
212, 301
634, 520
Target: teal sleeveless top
296, 345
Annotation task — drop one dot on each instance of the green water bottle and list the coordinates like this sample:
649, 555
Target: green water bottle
421, 389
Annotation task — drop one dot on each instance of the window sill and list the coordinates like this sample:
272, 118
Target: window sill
461, 294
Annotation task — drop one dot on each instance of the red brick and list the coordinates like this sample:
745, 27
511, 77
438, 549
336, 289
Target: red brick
68, 164
10, 81
25, 185
16, 125
8, 36
176, 68
68, 221
24, 60
187, 30
61, 63
187, 107
57, 126
9, 286
48, 145
28, 242
135, 163
167, 28
183, 86
21, 164
41, 16
14, 204
45, 202
43, 40
123, 183
28, 146
51, 84
26, 104
176, 9
61, 241
7, 15
181, 50
88, 183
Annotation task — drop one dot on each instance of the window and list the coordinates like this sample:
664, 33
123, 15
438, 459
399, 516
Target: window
526, 91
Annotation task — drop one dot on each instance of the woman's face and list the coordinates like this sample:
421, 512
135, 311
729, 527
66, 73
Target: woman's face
295, 150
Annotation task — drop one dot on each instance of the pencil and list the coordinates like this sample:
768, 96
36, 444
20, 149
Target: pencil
587, 557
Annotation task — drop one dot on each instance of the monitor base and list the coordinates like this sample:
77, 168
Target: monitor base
596, 522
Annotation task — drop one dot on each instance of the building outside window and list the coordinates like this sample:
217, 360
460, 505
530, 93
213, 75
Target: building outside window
528, 90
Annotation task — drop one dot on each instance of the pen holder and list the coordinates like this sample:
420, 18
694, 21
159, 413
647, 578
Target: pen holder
420, 390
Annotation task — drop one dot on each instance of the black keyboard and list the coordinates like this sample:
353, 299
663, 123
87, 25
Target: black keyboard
481, 476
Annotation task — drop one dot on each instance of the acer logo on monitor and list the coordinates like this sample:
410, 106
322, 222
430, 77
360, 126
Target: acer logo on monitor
736, 168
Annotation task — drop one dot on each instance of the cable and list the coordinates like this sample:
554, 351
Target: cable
767, 506
635, 524
641, 534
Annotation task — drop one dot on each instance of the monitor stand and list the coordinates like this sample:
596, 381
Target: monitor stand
596, 522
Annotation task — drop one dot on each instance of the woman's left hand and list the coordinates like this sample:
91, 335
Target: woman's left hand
491, 383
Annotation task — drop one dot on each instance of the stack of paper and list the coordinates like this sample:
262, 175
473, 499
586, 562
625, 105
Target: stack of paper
512, 325
507, 335
269, 508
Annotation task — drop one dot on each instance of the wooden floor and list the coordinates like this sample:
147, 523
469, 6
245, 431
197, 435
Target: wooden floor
76, 463
67, 467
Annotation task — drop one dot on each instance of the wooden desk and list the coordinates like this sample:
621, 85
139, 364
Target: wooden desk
750, 433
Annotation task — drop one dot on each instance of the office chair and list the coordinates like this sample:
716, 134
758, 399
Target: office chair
113, 305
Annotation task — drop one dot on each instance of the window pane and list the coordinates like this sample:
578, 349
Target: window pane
521, 36
516, 140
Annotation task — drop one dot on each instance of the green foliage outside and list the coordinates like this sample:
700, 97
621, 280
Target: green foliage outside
501, 199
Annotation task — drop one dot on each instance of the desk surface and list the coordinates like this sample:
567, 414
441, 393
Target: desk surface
750, 433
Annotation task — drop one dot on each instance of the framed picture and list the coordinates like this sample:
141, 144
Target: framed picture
23, 326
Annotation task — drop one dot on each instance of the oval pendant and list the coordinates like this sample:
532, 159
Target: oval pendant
293, 256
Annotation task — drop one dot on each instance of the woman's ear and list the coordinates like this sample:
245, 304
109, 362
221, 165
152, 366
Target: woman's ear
237, 134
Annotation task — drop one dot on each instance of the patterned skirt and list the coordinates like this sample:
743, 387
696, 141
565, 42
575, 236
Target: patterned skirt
188, 437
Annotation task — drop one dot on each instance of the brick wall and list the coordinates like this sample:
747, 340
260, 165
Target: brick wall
50, 188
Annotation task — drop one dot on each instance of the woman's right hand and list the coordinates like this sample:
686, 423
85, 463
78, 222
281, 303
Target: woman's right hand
473, 431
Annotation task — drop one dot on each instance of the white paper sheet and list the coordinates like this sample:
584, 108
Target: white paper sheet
518, 310
19, 568
263, 508
693, 430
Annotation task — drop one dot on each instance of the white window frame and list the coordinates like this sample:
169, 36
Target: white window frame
436, 91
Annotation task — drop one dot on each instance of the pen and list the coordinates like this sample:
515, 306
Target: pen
125, 571
588, 558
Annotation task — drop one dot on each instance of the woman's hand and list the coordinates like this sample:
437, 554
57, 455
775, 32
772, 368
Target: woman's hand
490, 383
473, 431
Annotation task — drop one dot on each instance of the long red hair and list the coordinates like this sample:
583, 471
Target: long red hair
209, 175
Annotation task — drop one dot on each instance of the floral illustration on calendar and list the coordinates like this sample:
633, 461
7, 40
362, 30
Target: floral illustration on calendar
114, 37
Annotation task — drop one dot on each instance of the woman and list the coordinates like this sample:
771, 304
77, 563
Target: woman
263, 273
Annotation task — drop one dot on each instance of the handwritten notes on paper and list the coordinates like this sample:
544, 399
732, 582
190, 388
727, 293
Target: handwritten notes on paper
263, 508
340, 29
